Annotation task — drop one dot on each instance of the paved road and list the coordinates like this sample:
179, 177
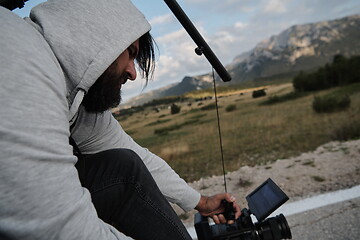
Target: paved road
325, 217
340, 221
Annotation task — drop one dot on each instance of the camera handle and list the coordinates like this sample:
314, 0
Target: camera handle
229, 213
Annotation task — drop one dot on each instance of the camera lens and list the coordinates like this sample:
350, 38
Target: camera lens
274, 228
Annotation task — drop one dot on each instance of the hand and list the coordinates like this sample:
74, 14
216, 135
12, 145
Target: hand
212, 207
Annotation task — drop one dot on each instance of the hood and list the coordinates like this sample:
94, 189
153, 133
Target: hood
86, 36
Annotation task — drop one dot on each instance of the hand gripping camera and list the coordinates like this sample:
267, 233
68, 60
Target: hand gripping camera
261, 202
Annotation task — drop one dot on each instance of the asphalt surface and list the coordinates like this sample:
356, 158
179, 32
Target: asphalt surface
328, 216
339, 221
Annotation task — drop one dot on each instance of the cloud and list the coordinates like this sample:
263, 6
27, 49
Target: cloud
177, 57
168, 67
195, 1
275, 6
171, 37
240, 25
161, 19
225, 7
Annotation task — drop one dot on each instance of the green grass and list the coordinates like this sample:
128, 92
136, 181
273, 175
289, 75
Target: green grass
252, 135
166, 130
346, 131
331, 103
156, 140
230, 108
282, 98
210, 106
157, 122
347, 90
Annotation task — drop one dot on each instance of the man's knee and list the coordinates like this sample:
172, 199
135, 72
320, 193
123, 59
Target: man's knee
126, 157
118, 161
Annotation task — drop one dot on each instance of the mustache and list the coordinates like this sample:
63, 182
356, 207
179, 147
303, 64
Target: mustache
123, 78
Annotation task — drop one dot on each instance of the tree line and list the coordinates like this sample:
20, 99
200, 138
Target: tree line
342, 71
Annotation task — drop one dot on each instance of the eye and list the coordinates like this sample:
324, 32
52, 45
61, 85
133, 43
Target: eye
132, 51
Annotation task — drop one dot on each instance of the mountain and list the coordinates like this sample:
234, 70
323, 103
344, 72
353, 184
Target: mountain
147, 97
188, 84
298, 48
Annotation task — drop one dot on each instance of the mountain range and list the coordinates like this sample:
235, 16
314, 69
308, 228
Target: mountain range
298, 48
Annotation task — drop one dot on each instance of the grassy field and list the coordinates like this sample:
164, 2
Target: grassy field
253, 132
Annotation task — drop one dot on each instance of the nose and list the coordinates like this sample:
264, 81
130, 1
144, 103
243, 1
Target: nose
131, 71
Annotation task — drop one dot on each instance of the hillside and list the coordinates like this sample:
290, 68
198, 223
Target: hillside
253, 132
300, 47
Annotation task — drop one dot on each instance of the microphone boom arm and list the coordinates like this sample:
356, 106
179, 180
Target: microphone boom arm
202, 46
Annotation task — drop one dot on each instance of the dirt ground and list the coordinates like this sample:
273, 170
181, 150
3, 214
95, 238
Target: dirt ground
333, 166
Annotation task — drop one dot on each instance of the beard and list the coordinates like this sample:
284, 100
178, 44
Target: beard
105, 92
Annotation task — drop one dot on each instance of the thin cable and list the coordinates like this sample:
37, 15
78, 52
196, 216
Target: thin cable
219, 128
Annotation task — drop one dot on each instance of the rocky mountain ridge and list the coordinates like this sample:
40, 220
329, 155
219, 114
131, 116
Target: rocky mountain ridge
315, 43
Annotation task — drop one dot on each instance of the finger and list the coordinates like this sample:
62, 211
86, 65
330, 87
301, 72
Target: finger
216, 219
222, 218
237, 210
230, 198
222, 196
230, 222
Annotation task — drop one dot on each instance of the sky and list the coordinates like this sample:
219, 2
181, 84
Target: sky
230, 27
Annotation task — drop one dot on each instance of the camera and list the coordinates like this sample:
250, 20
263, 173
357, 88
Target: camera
264, 200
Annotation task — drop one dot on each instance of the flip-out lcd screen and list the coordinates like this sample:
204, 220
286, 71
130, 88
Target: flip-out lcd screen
266, 199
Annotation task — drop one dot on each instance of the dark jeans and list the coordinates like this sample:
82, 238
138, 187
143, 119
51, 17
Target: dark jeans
126, 196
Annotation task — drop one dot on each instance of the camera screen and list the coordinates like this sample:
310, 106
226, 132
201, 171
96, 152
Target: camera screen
266, 199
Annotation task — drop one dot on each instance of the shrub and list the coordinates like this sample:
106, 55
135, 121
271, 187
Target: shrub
318, 178
258, 93
230, 108
283, 98
346, 131
175, 108
209, 107
330, 103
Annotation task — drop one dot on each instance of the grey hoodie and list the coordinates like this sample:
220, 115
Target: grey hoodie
47, 64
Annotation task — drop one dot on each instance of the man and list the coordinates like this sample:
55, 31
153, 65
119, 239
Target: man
61, 70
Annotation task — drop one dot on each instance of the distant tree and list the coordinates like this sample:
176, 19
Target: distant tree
298, 81
175, 108
258, 93
341, 71
339, 59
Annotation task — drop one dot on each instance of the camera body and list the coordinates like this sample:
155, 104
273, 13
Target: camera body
262, 202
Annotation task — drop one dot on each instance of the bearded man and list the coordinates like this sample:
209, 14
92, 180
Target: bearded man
61, 71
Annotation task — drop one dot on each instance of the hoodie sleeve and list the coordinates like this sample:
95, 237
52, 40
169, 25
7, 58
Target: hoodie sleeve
40, 193
99, 132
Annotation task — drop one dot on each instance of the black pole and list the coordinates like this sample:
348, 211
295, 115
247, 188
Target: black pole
202, 46
12, 4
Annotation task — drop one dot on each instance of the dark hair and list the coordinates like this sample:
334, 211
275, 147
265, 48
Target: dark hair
146, 56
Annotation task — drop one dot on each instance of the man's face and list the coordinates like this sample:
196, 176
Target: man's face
105, 93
